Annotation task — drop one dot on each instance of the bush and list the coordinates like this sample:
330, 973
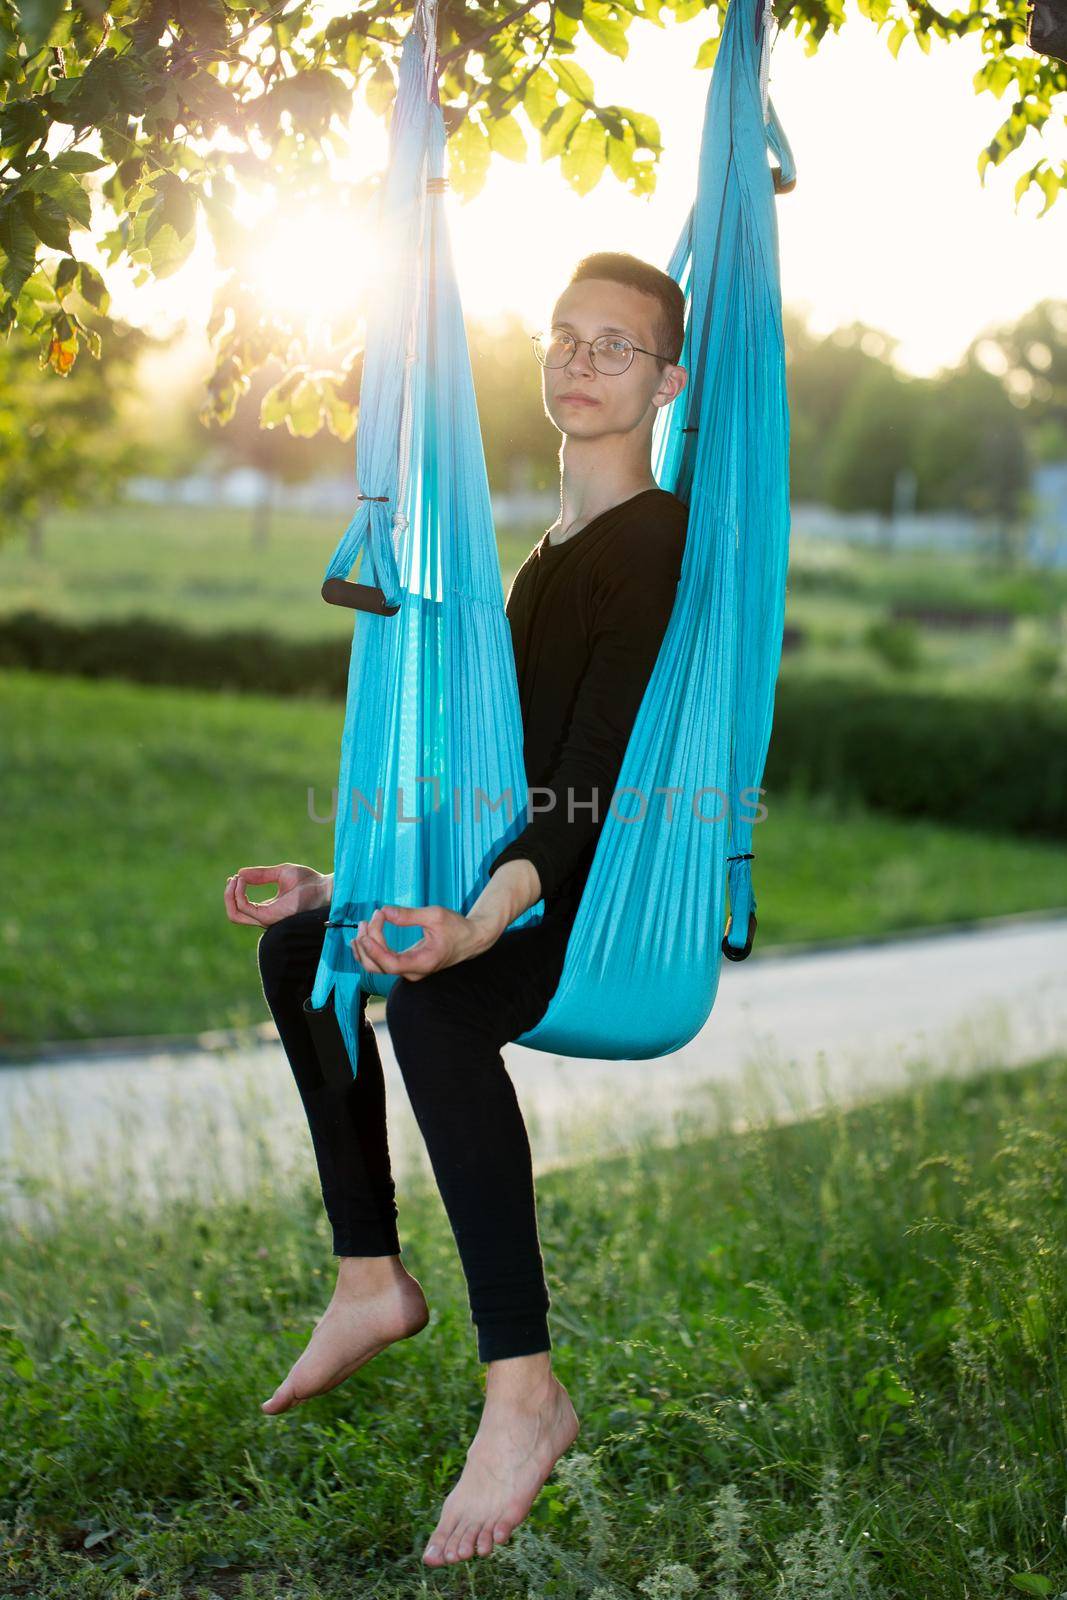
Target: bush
1040, 651
979, 761
895, 642
143, 650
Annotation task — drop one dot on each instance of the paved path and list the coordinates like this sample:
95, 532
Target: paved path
788, 1032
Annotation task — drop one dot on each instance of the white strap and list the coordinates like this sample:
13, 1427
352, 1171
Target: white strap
425, 19
765, 57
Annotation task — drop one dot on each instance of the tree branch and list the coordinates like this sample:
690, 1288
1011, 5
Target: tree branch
487, 33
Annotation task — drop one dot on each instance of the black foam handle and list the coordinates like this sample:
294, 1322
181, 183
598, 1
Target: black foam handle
728, 950
357, 596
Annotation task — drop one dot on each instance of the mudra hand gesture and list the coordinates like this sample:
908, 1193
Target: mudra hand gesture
447, 937
299, 889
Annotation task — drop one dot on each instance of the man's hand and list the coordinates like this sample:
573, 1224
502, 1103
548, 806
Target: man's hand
299, 889
447, 937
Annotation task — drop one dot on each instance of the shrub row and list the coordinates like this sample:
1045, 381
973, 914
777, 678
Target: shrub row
990, 763
975, 762
142, 650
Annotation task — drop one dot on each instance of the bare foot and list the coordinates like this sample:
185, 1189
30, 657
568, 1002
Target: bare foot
376, 1302
527, 1424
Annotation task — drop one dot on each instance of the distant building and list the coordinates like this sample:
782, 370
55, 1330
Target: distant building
1047, 545
1043, 538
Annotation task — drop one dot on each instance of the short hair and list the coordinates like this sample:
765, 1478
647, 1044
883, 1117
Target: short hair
621, 267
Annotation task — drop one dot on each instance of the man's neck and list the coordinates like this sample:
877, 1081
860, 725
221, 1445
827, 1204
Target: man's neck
592, 481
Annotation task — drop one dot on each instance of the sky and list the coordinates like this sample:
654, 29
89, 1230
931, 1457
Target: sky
888, 223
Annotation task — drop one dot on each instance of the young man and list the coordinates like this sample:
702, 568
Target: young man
587, 610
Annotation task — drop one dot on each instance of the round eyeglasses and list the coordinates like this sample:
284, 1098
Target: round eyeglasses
610, 354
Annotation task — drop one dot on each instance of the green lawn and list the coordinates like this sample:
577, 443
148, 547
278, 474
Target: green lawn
823, 1361
199, 567
191, 565
130, 807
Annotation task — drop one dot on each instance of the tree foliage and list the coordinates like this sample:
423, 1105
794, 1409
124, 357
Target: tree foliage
63, 444
130, 126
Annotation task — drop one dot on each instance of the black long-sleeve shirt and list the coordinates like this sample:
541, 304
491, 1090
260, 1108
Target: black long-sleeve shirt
587, 620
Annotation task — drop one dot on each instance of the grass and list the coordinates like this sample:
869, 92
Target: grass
200, 567
811, 1361
133, 805
192, 565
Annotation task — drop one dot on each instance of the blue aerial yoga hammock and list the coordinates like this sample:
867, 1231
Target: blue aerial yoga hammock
432, 742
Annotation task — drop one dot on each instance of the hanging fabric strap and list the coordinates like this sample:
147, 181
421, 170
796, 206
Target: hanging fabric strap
767, 21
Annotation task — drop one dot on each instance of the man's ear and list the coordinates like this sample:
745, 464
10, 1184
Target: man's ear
673, 382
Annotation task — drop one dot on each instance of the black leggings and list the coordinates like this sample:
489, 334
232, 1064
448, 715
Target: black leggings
447, 1030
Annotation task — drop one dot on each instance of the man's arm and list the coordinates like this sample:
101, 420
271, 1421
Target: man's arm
509, 892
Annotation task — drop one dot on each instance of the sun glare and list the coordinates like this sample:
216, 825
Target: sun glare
313, 265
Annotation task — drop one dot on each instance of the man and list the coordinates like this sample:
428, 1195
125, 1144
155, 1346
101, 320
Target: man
587, 610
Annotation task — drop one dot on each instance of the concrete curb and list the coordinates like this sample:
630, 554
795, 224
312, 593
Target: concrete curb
265, 1033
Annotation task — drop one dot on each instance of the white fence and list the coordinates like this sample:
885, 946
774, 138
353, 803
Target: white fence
1043, 539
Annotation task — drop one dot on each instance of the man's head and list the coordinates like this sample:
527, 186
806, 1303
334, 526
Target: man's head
614, 293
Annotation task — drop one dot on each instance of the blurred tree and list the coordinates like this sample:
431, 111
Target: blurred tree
822, 375
62, 444
1030, 359
285, 443
971, 450
521, 444
873, 441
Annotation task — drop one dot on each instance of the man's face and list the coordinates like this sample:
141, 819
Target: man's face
586, 403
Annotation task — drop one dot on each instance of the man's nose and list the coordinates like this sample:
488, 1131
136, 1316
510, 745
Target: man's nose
581, 355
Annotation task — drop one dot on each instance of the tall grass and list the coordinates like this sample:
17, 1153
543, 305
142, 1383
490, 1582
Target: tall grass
817, 1360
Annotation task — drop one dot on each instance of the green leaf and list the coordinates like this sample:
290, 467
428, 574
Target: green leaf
19, 244
305, 410
274, 406
36, 20
539, 97
50, 223
646, 130
897, 34
380, 92
898, 1395
168, 252
340, 416
559, 127
606, 30
585, 157
66, 191
1032, 1583
1052, 187
621, 155
177, 207
78, 161
469, 157
93, 288
66, 273
707, 52
506, 136
574, 80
